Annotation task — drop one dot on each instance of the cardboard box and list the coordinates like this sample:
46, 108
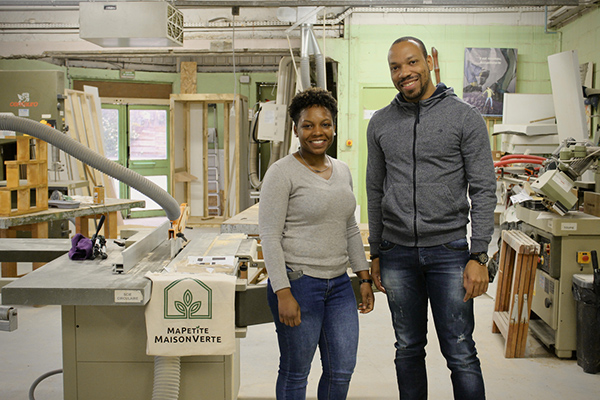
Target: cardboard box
591, 203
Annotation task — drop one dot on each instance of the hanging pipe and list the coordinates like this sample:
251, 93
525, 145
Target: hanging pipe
311, 46
93, 159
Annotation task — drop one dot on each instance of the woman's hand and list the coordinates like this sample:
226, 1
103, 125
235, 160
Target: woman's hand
366, 293
368, 300
289, 309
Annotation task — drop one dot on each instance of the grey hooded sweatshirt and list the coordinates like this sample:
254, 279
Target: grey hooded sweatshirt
424, 158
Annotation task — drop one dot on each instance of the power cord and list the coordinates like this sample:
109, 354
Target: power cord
41, 378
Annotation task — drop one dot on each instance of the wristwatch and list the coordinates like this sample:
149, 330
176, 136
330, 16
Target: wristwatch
481, 258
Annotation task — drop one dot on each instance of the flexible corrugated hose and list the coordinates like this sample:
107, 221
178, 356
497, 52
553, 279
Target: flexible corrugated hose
93, 159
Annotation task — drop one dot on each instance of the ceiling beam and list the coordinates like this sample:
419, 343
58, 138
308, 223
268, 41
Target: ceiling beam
312, 3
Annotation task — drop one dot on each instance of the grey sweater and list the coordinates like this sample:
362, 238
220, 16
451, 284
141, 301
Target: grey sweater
307, 222
423, 160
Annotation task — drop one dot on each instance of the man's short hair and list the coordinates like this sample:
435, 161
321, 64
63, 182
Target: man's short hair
413, 39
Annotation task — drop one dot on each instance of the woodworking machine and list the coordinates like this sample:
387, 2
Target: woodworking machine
566, 243
103, 323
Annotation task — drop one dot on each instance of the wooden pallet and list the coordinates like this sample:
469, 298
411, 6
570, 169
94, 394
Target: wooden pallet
516, 277
26, 175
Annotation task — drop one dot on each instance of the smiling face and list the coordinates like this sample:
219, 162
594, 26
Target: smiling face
410, 71
315, 130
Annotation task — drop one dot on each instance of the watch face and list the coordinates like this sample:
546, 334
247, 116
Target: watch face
482, 258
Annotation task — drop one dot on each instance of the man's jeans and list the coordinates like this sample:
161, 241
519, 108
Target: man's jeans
329, 319
411, 276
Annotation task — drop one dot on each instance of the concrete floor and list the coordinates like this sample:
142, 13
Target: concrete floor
35, 349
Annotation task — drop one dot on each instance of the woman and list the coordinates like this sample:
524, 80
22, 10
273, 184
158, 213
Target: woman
309, 235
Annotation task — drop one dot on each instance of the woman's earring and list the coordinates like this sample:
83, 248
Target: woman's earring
334, 133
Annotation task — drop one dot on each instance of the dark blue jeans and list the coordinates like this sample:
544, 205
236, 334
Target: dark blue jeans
412, 277
329, 319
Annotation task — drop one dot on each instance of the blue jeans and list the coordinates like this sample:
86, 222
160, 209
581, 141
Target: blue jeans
412, 276
329, 319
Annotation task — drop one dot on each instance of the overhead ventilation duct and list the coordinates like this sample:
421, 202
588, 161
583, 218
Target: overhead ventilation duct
131, 24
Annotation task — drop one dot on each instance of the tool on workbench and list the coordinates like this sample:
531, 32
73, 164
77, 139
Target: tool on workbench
99, 241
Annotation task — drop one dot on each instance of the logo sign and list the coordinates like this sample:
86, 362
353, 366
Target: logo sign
181, 302
24, 101
191, 314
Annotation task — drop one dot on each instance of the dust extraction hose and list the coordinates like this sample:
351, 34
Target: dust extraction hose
167, 372
93, 159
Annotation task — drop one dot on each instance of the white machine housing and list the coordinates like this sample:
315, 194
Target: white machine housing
271, 122
131, 24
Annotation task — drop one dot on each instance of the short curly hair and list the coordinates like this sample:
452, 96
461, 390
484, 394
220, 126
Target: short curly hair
310, 98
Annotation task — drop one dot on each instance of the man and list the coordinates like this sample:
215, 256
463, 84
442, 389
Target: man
427, 150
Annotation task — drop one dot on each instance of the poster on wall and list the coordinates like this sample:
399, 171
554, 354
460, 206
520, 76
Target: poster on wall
489, 73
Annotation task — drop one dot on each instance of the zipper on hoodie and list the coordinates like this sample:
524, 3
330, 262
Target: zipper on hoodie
415, 176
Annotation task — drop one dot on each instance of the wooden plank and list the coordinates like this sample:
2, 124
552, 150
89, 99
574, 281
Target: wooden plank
12, 175
511, 336
500, 318
503, 270
71, 98
94, 109
189, 76
184, 176
9, 269
186, 151
205, 135
227, 163
5, 202
516, 307
90, 135
23, 148
513, 311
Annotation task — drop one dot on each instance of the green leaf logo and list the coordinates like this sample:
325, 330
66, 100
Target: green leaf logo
188, 307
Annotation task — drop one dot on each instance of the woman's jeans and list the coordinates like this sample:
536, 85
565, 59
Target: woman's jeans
411, 277
329, 319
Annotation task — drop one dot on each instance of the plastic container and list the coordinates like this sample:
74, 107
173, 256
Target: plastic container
588, 322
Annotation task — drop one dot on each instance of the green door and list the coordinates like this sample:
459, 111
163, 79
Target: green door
372, 98
137, 136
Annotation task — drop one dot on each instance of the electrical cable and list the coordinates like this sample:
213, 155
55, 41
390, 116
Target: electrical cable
40, 379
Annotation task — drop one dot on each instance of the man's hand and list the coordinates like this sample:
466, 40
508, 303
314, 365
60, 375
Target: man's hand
476, 280
376, 274
289, 309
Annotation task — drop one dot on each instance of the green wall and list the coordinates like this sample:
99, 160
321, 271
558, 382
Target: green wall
363, 63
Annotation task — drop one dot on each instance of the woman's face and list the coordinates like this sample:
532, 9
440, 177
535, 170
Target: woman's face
315, 130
